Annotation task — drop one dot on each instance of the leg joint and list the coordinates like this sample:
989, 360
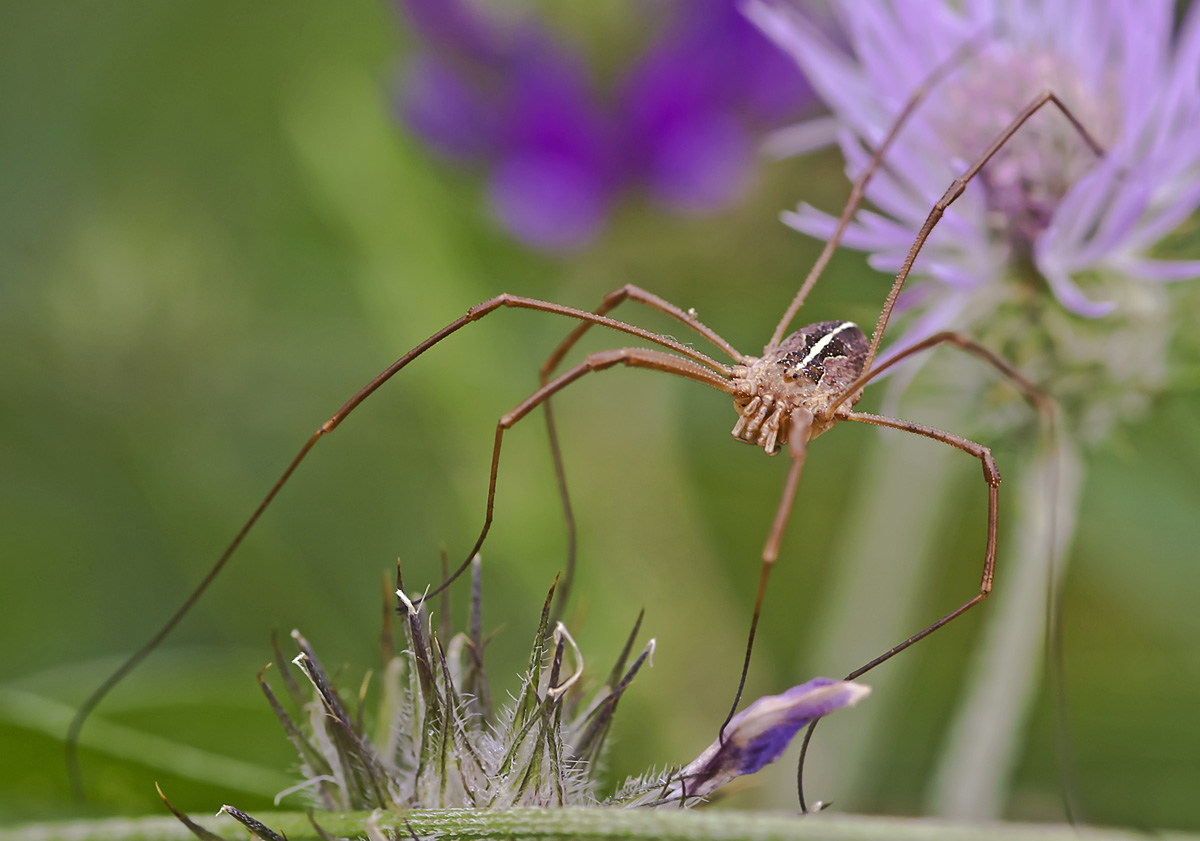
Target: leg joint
991, 473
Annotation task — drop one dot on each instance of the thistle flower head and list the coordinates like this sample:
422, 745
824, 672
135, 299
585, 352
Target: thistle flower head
437, 743
1049, 234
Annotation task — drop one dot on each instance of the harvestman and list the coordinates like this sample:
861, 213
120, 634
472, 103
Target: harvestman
801, 386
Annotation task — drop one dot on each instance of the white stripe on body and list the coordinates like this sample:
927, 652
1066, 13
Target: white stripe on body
816, 349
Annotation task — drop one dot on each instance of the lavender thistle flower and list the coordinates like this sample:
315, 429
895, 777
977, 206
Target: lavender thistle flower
1054, 257
681, 123
1045, 213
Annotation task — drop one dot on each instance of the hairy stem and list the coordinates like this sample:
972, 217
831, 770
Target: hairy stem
597, 823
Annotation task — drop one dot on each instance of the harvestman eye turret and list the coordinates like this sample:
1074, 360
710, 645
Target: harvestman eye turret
799, 388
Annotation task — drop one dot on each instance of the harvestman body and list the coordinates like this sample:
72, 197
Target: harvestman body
800, 387
798, 383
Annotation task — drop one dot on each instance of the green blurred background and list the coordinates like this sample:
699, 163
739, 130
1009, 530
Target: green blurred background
212, 233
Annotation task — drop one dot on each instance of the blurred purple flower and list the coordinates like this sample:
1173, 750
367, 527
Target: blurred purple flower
553, 178
1086, 223
682, 123
511, 98
690, 107
759, 734
446, 110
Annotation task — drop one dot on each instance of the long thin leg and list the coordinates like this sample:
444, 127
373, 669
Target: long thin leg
1043, 404
1036, 397
611, 301
801, 425
474, 314
629, 292
991, 476
952, 193
858, 190
632, 357
1046, 408
563, 593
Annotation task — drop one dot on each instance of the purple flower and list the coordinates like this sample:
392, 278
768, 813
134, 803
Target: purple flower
1046, 214
554, 177
1046, 258
759, 734
690, 107
511, 98
443, 107
682, 124
1046, 197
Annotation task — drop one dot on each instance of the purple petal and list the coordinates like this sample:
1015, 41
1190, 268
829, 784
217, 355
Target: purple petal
742, 67
801, 138
1165, 271
446, 110
860, 236
680, 133
551, 108
454, 26
548, 201
1161, 221
701, 165
772, 88
555, 179
1070, 295
759, 734
709, 48
1122, 213
832, 72
1180, 96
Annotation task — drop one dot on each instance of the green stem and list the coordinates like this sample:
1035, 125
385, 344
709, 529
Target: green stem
989, 731
577, 823
45, 715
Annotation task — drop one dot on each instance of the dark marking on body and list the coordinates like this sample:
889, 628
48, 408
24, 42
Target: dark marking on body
807, 350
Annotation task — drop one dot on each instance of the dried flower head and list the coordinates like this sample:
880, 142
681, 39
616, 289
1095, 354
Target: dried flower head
436, 742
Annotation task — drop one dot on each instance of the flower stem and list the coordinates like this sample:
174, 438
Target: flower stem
576, 823
988, 734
